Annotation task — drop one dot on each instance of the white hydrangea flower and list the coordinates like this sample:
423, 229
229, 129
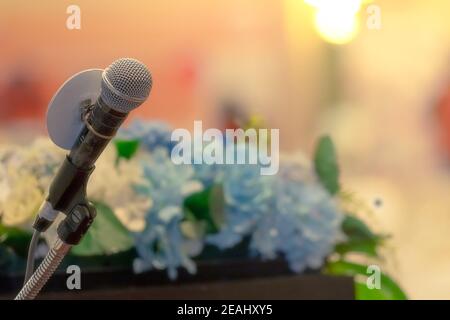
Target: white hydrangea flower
113, 183
25, 174
22, 202
27, 171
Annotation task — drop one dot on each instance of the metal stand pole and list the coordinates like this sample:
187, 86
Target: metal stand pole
70, 232
44, 271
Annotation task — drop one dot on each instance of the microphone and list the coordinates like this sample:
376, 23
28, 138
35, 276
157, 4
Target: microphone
126, 84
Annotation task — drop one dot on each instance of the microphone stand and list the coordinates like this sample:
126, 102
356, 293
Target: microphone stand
72, 227
68, 196
44, 271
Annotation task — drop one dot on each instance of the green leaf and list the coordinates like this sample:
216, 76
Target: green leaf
359, 238
15, 238
326, 165
198, 208
356, 229
217, 205
126, 148
389, 288
106, 236
366, 247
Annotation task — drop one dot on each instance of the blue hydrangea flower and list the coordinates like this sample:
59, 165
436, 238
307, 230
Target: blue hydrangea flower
208, 174
151, 134
304, 224
162, 245
247, 197
288, 214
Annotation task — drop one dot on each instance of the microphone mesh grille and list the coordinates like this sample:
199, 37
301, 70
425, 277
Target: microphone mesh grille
126, 84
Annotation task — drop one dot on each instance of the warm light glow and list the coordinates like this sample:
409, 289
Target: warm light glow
336, 20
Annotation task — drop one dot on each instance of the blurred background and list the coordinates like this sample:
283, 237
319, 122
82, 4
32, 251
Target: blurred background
380, 88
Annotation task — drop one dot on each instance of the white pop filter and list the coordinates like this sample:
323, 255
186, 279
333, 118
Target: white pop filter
64, 114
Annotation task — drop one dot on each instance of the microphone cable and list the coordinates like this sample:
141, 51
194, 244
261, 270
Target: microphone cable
31, 256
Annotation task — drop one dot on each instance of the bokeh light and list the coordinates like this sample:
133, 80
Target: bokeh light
336, 21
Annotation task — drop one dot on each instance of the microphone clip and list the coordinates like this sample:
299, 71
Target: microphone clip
67, 194
72, 229
86, 108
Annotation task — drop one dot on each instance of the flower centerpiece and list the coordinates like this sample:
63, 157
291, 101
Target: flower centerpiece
169, 215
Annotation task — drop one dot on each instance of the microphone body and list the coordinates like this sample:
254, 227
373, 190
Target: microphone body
68, 188
101, 124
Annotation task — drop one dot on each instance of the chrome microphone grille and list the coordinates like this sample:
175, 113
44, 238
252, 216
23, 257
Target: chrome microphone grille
126, 84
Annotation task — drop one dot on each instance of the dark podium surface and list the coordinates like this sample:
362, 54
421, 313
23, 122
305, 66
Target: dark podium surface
286, 287
241, 279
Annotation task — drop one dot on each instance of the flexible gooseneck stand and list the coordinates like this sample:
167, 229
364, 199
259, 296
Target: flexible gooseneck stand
44, 271
80, 214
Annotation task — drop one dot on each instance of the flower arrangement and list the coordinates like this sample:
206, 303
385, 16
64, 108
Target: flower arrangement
169, 214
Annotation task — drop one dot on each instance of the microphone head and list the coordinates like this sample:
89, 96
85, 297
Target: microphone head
126, 84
